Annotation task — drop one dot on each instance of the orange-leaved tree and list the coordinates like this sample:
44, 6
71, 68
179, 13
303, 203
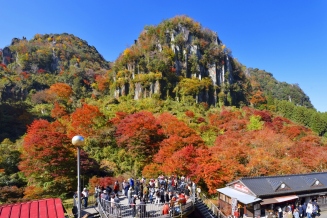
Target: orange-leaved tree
180, 142
86, 121
47, 161
61, 91
58, 110
139, 134
208, 170
102, 82
223, 162
101, 181
181, 162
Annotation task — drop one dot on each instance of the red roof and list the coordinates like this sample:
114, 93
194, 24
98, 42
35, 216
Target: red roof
48, 208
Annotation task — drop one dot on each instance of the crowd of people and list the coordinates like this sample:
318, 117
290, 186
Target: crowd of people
309, 210
163, 191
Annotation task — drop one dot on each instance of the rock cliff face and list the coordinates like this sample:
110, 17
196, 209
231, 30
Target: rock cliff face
176, 59
29, 66
186, 56
215, 71
6, 56
51, 53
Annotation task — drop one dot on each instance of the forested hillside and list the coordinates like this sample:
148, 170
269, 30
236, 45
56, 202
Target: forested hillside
279, 90
175, 102
48, 68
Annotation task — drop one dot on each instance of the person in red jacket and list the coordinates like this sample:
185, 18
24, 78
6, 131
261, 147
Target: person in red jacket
116, 187
165, 209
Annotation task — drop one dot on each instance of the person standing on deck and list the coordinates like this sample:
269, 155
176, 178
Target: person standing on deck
86, 197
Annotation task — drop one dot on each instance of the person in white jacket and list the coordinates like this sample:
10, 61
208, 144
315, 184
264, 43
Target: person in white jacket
85, 197
309, 209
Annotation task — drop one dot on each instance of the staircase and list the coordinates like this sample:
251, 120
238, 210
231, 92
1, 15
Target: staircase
206, 211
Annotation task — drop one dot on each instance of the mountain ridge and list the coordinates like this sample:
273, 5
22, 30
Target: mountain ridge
177, 47
176, 102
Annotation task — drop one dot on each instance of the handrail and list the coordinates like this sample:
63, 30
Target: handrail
215, 210
110, 209
73, 204
101, 210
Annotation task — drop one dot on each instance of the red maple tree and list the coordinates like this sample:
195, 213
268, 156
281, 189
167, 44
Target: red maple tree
47, 159
86, 121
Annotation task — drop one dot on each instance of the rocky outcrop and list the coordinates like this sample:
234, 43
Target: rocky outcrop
198, 54
142, 92
215, 71
14, 41
12, 92
7, 56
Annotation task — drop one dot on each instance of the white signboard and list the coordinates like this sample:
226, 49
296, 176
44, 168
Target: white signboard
234, 205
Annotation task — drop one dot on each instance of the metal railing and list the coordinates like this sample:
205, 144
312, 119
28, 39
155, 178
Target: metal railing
215, 210
91, 201
110, 209
73, 205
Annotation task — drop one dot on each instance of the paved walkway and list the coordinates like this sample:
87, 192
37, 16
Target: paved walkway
323, 214
90, 210
153, 210
123, 201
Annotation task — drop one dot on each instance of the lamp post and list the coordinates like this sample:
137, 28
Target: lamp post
78, 141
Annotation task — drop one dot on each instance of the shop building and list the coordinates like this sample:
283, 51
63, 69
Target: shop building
257, 196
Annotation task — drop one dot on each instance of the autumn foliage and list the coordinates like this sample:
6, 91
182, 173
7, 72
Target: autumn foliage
177, 149
61, 90
152, 144
47, 159
85, 121
69, 85
139, 133
102, 182
58, 111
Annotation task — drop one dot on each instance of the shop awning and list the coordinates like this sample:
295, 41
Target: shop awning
269, 201
240, 196
278, 199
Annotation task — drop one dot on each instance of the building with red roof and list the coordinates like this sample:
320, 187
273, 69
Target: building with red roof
50, 208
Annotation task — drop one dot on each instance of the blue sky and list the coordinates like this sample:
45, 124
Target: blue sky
287, 38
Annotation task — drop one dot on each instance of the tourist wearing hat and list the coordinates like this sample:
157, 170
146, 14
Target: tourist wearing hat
104, 195
85, 193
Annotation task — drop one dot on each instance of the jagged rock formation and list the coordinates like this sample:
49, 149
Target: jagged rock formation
50, 52
6, 56
176, 59
34, 65
179, 58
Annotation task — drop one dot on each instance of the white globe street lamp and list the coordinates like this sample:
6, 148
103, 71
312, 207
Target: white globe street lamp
78, 141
